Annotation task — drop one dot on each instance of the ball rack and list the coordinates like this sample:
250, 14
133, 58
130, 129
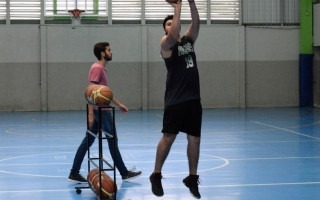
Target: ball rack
99, 161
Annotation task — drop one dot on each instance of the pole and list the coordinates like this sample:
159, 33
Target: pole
306, 55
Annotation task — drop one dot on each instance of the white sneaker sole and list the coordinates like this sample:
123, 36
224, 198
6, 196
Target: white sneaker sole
128, 179
74, 181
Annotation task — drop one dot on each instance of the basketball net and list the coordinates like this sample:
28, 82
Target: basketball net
76, 16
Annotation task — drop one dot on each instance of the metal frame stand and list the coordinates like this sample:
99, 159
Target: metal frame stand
100, 159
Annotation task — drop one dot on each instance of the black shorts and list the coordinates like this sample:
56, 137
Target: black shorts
184, 117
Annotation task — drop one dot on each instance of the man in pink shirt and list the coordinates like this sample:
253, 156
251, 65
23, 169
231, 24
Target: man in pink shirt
98, 75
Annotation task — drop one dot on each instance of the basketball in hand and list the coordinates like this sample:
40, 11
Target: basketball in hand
172, 1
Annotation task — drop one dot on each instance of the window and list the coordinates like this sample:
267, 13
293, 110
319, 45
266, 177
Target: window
61, 7
291, 13
3, 9
121, 10
269, 12
25, 9
224, 10
126, 9
158, 10
265, 12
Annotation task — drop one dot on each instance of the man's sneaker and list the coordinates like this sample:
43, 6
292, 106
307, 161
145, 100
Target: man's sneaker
192, 182
131, 175
156, 186
78, 178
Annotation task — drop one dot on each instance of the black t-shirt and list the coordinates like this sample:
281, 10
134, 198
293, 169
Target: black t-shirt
183, 77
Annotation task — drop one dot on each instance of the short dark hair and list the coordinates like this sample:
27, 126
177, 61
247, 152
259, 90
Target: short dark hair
169, 17
100, 47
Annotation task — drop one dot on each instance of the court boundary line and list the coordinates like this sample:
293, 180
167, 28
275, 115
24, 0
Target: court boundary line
226, 162
287, 130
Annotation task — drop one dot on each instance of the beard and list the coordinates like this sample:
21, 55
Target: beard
108, 58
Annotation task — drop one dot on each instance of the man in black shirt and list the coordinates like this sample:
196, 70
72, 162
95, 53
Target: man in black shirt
183, 110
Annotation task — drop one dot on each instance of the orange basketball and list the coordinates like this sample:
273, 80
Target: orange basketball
102, 95
88, 93
107, 186
98, 94
91, 175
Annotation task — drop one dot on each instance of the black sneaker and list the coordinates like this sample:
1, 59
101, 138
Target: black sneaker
156, 186
131, 175
192, 182
78, 178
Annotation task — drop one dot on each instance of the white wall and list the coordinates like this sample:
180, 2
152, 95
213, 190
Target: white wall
316, 24
19, 67
316, 77
272, 70
239, 66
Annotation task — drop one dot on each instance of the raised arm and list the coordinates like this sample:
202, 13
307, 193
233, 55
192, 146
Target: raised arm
194, 28
172, 29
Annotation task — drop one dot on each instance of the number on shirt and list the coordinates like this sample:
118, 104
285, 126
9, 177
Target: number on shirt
189, 61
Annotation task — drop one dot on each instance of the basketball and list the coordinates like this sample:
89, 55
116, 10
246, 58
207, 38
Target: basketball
98, 94
172, 1
107, 186
88, 93
91, 175
102, 95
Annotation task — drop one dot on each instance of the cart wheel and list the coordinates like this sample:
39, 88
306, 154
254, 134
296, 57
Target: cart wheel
78, 191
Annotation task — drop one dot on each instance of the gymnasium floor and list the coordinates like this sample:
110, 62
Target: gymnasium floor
264, 154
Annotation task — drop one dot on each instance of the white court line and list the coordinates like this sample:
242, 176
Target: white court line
34, 164
32, 155
33, 175
26, 156
175, 161
27, 147
50, 164
283, 129
16, 131
35, 191
273, 158
177, 187
226, 162
261, 184
152, 145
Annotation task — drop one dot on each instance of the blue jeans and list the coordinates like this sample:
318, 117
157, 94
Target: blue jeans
86, 143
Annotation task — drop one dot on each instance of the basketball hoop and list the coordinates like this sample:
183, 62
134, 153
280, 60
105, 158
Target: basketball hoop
76, 16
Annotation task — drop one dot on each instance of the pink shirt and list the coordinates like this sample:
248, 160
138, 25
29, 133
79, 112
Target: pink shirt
98, 74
